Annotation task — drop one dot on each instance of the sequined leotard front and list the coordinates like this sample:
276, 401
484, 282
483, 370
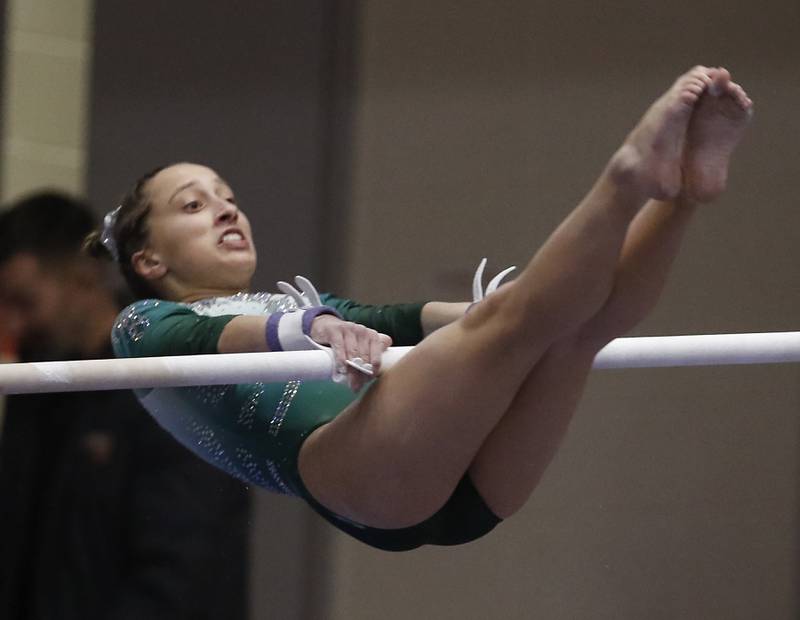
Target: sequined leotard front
252, 431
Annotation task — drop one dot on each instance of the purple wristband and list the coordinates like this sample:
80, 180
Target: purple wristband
312, 313
287, 331
273, 342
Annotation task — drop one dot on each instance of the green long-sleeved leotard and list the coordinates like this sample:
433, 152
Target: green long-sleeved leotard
252, 431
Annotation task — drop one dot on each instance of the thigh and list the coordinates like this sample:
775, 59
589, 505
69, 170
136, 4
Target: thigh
514, 457
314, 405
394, 456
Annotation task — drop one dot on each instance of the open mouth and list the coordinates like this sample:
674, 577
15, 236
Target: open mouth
233, 238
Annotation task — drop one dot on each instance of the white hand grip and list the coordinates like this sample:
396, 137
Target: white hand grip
478, 294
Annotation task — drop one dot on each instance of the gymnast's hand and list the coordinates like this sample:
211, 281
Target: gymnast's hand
348, 342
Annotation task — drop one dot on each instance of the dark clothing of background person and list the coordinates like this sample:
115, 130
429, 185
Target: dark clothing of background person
104, 516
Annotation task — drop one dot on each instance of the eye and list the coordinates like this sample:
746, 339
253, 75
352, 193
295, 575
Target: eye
232, 200
194, 205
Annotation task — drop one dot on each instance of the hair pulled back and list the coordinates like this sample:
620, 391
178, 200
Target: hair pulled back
129, 233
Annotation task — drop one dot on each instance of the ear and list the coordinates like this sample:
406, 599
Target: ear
148, 264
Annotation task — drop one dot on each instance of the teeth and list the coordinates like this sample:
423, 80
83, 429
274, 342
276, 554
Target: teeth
232, 236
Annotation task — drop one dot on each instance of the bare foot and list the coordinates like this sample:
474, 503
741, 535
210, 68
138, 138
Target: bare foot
718, 124
650, 159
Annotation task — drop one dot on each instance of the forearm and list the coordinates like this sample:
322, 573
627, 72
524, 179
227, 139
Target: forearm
436, 314
244, 334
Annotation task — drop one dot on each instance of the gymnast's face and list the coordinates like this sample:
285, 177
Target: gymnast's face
199, 242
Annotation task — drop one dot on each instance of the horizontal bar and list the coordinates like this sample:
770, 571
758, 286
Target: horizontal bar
701, 350
187, 370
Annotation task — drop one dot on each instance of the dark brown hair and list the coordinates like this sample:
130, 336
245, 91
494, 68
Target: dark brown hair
50, 225
129, 234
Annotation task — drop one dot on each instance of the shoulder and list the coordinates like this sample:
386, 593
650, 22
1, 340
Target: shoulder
152, 307
139, 317
154, 327
141, 314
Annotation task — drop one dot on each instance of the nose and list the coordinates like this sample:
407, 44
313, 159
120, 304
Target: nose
227, 213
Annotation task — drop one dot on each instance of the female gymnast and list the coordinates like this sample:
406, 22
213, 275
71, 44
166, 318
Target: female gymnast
455, 437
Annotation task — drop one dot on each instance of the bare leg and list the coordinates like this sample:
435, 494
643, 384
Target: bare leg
393, 458
514, 457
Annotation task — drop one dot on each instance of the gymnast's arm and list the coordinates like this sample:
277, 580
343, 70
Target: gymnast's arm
151, 328
407, 324
155, 328
436, 314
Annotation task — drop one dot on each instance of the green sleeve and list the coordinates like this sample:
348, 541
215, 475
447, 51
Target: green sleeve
155, 327
400, 321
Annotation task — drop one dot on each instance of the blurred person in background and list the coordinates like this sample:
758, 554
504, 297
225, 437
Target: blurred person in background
103, 514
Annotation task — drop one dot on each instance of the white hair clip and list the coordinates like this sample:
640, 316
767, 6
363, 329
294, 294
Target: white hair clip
107, 236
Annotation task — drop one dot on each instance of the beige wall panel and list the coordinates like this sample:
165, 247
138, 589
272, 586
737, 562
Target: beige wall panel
45, 95
68, 18
27, 175
48, 103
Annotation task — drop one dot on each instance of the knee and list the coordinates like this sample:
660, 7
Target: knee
501, 313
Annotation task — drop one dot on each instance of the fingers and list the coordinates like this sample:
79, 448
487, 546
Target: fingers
335, 339
367, 345
338, 342
363, 343
353, 342
376, 349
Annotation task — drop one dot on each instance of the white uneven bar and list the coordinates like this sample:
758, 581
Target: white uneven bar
152, 372
702, 350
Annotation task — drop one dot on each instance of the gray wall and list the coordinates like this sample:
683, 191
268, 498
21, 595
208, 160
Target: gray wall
478, 126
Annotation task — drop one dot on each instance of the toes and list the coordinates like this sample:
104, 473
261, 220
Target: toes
698, 75
720, 82
714, 80
740, 96
699, 81
690, 95
699, 70
694, 83
696, 89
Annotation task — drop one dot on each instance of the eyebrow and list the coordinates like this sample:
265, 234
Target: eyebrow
217, 181
180, 189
